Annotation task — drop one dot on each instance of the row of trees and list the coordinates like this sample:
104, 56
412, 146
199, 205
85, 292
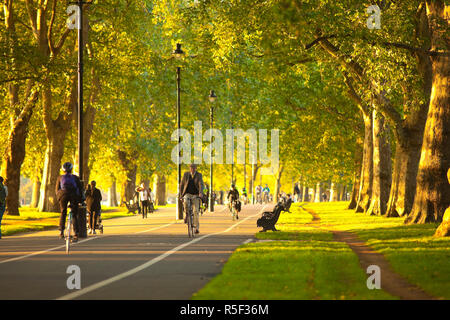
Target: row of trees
397, 78
354, 105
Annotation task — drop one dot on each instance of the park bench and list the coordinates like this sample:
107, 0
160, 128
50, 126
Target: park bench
270, 218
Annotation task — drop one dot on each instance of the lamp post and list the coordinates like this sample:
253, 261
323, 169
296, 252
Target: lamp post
232, 150
79, 23
178, 54
212, 99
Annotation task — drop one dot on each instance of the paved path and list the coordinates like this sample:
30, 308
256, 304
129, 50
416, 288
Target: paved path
134, 259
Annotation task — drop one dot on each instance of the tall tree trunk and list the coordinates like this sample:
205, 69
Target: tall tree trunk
15, 150
432, 191
444, 228
365, 189
356, 176
35, 193
278, 184
318, 196
56, 131
334, 192
381, 183
159, 187
90, 110
305, 194
408, 148
129, 185
112, 195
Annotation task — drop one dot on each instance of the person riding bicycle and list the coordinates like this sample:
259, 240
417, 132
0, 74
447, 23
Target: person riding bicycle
191, 187
69, 189
233, 195
266, 192
258, 191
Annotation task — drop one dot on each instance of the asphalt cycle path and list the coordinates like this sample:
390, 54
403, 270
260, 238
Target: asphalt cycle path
137, 259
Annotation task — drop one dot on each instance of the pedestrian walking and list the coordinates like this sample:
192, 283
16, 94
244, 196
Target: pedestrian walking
93, 205
144, 196
3, 195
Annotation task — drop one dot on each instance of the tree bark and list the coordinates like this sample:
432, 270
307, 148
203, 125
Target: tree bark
15, 150
56, 131
305, 194
356, 176
318, 196
129, 185
407, 153
112, 195
444, 228
278, 184
35, 193
365, 189
381, 183
160, 190
432, 191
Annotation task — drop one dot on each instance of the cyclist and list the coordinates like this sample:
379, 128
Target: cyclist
69, 189
192, 189
258, 191
233, 195
266, 192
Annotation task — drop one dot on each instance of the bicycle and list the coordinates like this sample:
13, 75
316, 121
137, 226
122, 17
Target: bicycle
69, 226
234, 212
190, 217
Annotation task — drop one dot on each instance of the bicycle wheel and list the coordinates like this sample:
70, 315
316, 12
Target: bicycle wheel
189, 224
68, 229
192, 225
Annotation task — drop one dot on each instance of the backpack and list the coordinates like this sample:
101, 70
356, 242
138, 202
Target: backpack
2, 195
69, 184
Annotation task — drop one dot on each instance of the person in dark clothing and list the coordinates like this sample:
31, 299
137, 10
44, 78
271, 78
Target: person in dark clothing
69, 189
93, 205
192, 188
3, 195
233, 195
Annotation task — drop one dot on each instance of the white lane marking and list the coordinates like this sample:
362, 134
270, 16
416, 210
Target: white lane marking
156, 228
247, 241
147, 264
63, 246
44, 251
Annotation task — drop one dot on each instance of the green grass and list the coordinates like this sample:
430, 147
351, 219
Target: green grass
310, 265
291, 270
411, 250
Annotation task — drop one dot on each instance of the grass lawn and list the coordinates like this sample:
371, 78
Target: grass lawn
310, 265
32, 220
411, 249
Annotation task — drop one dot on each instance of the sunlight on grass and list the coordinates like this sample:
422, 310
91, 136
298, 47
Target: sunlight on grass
411, 249
290, 270
308, 264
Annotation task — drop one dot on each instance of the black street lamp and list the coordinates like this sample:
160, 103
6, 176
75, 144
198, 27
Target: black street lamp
178, 54
79, 23
212, 98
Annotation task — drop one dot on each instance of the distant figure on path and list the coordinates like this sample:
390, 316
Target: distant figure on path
93, 203
3, 195
144, 196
